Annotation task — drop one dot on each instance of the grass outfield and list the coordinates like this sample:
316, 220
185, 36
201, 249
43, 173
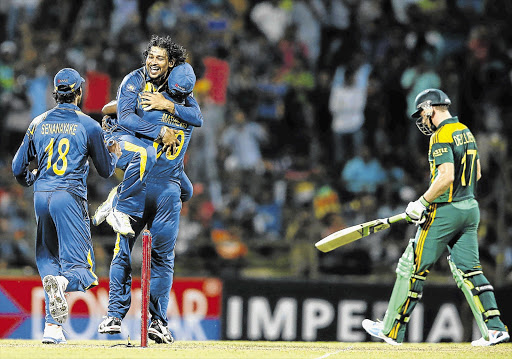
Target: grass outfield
96, 349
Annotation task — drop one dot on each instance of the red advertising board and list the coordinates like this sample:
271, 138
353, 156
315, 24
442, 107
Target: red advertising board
194, 309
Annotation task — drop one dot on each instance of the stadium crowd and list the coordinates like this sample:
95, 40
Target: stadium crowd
307, 129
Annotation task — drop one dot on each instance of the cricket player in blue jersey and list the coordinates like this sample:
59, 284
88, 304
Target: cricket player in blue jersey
192, 116
61, 140
127, 200
161, 216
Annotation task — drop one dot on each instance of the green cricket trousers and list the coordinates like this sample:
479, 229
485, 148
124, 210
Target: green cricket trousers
453, 225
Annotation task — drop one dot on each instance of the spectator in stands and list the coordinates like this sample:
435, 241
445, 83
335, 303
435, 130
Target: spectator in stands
363, 173
417, 77
347, 103
8, 50
242, 140
271, 19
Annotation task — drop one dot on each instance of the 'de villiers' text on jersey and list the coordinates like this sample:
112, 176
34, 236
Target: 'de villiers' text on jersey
453, 142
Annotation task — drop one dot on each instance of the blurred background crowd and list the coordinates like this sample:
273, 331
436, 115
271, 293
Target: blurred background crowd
306, 128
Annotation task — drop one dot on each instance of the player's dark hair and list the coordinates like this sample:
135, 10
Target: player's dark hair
174, 50
67, 97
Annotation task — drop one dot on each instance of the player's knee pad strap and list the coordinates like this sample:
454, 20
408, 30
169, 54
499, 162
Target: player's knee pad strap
465, 283
419, 277
482, 289
402, 317
478, 285
491, 313
414, 295
477, 291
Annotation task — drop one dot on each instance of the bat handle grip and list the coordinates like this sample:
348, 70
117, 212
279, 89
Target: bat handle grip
397, 218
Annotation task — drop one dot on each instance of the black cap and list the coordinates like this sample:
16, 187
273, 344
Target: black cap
436, 98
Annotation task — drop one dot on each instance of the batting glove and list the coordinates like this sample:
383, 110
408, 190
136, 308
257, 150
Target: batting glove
417, 211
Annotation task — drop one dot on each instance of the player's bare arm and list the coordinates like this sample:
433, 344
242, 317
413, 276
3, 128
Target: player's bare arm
478, 170
110, 108
443, 181
156, 101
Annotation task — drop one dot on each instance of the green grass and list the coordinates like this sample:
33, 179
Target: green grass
96, 349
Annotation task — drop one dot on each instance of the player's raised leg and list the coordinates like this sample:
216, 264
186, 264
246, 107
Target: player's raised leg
137, 161
105, 208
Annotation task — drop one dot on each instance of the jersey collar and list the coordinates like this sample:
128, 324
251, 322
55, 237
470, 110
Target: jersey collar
454, 119
68, 106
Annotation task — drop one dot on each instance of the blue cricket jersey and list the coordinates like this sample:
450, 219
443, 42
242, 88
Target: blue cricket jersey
62, 139
131, 122
170, 167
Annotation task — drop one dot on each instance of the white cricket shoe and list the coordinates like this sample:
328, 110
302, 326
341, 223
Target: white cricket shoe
54, 286
159, 332
495, 337
120, 223
53, 334
375, 330
104, 209
110, 325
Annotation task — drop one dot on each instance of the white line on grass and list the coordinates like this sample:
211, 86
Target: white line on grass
339, 351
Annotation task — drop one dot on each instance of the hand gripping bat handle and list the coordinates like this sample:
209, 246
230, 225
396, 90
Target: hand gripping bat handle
396, 218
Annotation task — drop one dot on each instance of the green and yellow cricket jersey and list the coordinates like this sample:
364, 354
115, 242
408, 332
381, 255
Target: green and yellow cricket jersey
453, 142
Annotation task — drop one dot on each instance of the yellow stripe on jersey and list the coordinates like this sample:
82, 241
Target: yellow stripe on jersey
158, 153
36, 122
91, 264
117, 245
143, 155
149, 87
433, 171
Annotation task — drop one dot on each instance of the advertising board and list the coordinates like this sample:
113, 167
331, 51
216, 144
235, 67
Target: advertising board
194, 310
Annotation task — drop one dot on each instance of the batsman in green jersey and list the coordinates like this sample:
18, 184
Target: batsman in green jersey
448, 216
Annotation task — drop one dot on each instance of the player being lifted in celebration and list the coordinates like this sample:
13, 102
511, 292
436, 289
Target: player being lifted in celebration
161, 215
61, 140
138, 158
448, 216
160, 56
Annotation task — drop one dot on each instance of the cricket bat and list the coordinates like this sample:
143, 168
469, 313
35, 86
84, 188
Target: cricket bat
351, 234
